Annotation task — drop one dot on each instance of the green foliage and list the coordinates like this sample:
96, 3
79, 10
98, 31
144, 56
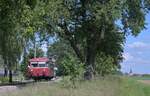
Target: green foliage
72, 68
23, 68
4, 80
1, 61
39, 53
60, 50
112, 46
105, 64
11, 44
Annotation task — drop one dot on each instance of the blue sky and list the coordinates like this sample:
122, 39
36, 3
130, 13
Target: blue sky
137, 52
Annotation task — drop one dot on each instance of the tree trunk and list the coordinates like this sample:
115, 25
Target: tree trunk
90, 60
5, 72
5, 68
10, 76
90, 63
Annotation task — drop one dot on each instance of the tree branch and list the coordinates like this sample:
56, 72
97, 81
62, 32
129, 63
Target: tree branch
68, 36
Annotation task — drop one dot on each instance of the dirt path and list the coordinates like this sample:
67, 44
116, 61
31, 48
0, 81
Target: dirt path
4, 89
145, 81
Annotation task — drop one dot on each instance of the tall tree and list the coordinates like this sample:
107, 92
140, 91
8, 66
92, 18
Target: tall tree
10, 44
86, 23
13, 26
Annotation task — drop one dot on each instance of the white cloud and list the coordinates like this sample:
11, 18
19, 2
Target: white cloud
127, 56
135, 60
138, 45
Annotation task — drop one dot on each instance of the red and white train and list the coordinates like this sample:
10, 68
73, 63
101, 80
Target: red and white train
40, 68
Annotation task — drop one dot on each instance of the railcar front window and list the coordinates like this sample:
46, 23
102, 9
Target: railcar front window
34, 65
42, 65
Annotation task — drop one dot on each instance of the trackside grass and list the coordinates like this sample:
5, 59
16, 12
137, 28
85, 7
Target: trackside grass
108, 86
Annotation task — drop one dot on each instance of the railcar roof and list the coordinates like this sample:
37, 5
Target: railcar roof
41, 59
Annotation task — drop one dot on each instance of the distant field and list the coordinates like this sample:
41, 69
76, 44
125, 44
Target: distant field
147, 77
109, 86
142, 79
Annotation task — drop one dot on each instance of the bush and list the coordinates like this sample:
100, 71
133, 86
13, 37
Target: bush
73, 69
105, 65
23, 68
4, 79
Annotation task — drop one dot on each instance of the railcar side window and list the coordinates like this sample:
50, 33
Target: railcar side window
51, 65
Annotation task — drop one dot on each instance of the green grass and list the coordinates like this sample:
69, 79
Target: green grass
131, 87
109, 86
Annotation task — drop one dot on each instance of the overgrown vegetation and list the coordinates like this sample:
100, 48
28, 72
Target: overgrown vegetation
108, 86
4, 80
73, 69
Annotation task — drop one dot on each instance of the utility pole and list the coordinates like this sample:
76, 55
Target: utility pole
35, 49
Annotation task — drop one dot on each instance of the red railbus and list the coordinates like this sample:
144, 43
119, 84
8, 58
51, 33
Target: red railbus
40, 68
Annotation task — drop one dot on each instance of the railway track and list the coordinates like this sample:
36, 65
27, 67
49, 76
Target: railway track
15, 83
